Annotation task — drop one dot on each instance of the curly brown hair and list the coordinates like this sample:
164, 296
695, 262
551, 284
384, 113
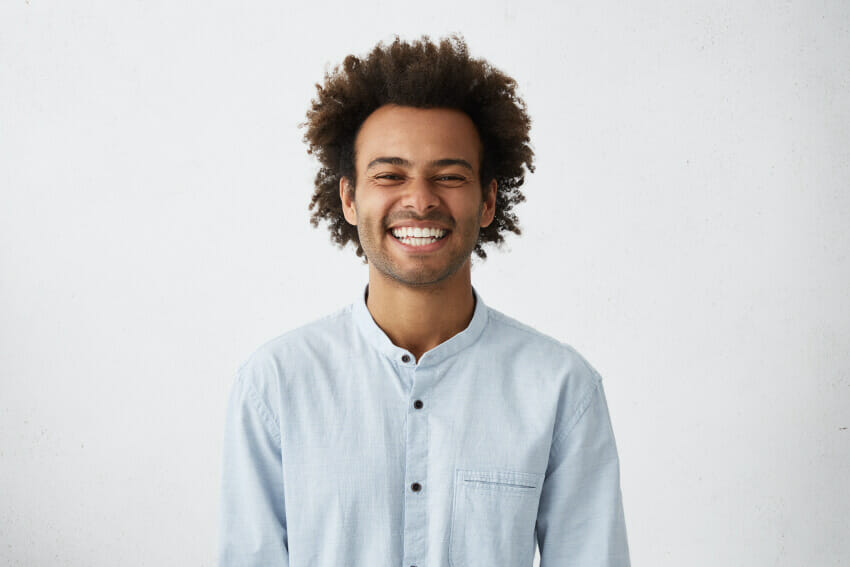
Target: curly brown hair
424, 75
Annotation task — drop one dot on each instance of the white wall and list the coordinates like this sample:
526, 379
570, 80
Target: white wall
686, 230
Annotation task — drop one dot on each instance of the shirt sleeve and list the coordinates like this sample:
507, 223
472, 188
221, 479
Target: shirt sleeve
252, 519
580, 519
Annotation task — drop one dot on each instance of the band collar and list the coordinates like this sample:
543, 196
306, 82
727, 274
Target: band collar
380, 341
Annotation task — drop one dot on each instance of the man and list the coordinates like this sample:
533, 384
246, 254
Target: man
417, 426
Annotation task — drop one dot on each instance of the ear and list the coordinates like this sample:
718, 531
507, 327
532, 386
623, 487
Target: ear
345, 195
488, 211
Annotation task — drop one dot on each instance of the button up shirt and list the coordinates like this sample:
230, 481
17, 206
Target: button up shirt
340, 448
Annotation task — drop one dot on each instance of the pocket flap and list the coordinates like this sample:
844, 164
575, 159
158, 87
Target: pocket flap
501, 480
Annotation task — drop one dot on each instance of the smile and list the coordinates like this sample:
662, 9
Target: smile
418, 237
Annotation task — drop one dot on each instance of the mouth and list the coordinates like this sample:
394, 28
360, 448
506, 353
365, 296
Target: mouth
425, 240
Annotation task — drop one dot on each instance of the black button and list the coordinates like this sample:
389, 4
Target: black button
405, 358
418, 404
416, 487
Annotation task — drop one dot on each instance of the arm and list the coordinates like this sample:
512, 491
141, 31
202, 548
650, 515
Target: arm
252, 521
580, 520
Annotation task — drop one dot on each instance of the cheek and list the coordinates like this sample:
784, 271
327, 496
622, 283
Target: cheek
370, 222
470, 211
370, 208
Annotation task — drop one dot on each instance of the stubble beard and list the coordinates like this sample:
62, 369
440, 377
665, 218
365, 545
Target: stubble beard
421, 275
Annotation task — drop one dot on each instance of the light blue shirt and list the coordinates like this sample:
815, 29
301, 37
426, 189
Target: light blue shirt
341, 449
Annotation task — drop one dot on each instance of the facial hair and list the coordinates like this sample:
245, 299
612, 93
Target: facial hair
428, 272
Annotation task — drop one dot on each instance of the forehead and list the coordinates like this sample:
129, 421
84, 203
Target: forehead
417, 135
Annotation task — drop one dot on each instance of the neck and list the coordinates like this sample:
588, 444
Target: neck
420, 318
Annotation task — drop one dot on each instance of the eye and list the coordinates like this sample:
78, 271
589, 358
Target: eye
391, 176
451, 180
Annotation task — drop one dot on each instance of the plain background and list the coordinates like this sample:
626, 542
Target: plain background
686, 230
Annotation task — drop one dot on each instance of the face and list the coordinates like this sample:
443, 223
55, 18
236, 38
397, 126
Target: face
418, 204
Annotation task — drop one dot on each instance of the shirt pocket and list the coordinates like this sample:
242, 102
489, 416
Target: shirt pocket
493, 517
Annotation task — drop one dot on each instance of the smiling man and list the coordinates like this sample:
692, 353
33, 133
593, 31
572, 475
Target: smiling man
418, 426
418, 211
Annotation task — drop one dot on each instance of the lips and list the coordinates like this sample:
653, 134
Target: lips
403, 231
420, 244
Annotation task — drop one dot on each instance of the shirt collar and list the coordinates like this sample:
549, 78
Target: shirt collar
379, 340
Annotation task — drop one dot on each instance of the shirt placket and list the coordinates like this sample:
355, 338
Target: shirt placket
416, 463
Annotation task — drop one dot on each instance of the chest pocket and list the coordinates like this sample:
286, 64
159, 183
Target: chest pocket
493, 518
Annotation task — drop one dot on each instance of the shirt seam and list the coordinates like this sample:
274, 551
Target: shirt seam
263, 411
584, 404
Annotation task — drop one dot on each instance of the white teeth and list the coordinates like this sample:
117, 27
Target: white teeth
416, 232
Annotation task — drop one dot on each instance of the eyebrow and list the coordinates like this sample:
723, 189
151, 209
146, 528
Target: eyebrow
436, 163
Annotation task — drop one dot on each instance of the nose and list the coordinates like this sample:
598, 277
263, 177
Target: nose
420, 196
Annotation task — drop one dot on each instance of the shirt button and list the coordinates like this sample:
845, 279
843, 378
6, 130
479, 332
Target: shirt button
405, 358
416, 487
418, 404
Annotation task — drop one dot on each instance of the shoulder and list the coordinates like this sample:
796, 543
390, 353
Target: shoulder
264, 367
550, 364
523, 338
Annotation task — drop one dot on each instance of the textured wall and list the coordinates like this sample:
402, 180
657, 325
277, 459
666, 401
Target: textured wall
686, 230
